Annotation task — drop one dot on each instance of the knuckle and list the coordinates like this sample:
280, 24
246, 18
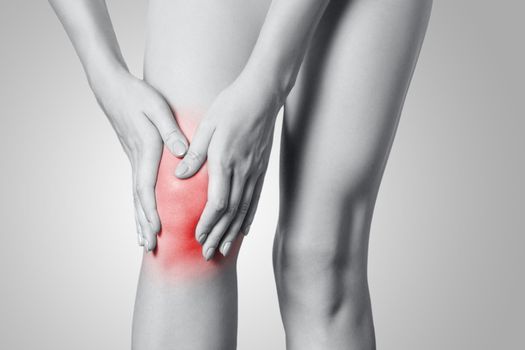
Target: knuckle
245, 172
243, 208
194, 155
141, 191
224, 168
172, 135
232, 209
226, 161
219, 205
213, 239
155, 226
147, 232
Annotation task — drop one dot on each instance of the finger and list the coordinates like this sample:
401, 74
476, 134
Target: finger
136, 204
245, 228
219, 180
147, 170
196, 155
235, 226
214, 237
163, 119
140, 238
148, 238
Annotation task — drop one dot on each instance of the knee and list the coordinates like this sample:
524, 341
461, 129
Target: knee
306, 261
322, 260
324, 280
324, 237
180, 203
322, 292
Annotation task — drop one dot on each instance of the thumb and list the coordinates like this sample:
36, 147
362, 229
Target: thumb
163, 119
197, 152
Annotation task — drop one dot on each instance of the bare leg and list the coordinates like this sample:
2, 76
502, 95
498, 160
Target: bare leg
194, 50
340, 121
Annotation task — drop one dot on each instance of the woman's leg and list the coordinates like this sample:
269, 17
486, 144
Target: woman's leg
339, 124
194, 50
183, 301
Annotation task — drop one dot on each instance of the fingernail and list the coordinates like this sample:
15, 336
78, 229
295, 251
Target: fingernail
202, 238
247, 230
182, 169
226, 248
146, 245
141, 241
179, 148
209, 253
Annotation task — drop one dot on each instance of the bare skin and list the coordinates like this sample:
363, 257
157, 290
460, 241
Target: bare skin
239, 62
339, 124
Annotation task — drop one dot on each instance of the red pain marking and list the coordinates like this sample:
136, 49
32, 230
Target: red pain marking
180, 204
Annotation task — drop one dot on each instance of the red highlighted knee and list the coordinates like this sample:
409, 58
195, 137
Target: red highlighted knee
180, 204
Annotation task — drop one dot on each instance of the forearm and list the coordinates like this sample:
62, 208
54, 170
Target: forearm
89, 28
282, 43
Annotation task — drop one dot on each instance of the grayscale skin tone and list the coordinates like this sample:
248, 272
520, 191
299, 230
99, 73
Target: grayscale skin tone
340, 68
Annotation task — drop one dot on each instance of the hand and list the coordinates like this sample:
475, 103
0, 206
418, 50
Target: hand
235, 135
142, 120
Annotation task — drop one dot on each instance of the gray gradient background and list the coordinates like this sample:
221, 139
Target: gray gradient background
446, 250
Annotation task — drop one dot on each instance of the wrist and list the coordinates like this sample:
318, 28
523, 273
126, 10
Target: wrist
266, 82
100, 71
104, 75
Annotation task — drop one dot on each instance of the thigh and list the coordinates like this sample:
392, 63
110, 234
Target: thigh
195, 49
341, 117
